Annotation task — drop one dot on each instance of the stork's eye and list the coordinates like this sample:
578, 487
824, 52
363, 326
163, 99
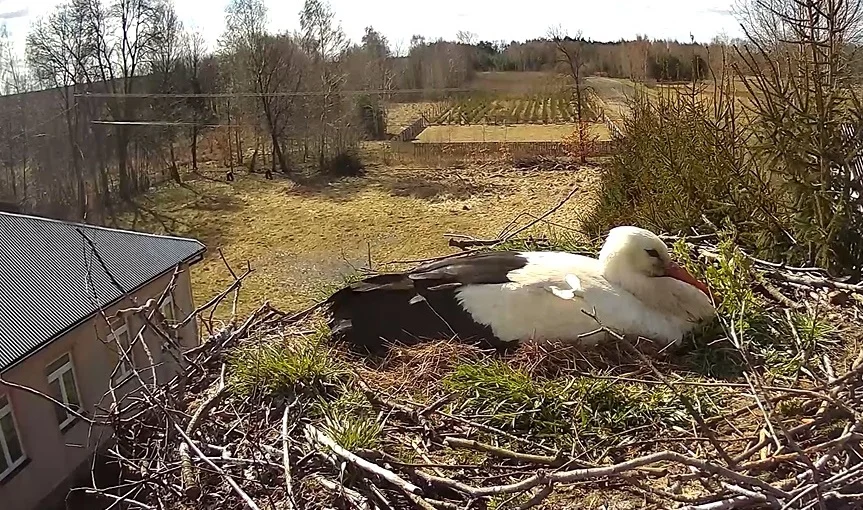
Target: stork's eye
653, 253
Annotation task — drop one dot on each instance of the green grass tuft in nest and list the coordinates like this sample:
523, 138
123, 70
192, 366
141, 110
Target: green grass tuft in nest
350, 421
289, 365
609, 406
799, 336
509, 398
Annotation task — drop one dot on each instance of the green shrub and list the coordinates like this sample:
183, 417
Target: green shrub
684, 159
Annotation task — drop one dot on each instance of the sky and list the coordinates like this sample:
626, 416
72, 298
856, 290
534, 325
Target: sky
599, 20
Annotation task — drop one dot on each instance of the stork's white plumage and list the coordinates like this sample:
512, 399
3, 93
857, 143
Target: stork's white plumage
508, 297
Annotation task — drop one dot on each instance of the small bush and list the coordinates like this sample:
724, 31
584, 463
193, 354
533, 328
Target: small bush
373, 117
781, 342
346, 163
786, 182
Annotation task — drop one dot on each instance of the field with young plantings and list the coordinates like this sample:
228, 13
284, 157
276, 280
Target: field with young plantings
552, 108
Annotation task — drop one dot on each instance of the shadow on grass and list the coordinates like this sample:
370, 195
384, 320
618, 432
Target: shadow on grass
436, 188
177, 210
430, 184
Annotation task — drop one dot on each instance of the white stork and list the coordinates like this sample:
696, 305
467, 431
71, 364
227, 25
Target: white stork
509, 297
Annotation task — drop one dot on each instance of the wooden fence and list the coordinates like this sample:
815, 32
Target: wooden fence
615, 130
485, 150
426, 118
412, 131
612, 126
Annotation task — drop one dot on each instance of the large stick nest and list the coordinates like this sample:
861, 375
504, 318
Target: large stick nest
269, 414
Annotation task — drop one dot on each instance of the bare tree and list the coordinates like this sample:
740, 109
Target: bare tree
378, 70
192, 61
570, 53
125, 33
324, 40
165, 63
61, 51
466, 37
267, 66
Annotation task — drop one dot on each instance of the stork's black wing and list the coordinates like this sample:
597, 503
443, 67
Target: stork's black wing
417, 304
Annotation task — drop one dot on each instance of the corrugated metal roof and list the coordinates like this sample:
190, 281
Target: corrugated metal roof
50, 279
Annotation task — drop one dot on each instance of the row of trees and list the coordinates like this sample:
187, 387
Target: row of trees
638, 59
72, 147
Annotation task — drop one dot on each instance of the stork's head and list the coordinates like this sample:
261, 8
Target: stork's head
635, 251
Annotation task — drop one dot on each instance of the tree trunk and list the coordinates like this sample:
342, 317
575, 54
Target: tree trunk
230, 140
274, 139
12, 181
175, 173
239, 145
10, 160
123, 164
195, 147
25, 159
230, 150
277, 153
254, 163
77, 170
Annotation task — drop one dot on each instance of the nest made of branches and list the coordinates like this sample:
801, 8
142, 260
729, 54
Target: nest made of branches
269, 413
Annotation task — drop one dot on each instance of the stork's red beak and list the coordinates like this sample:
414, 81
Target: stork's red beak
677, 272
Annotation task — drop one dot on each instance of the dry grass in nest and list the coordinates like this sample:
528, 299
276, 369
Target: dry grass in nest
419, 367
554, 358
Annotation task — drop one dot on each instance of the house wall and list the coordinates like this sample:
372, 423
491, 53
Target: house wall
54, 455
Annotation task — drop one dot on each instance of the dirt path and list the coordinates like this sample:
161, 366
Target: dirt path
614, 93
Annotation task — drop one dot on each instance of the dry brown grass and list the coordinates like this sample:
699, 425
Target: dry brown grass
300, 237
516, 133
418, 369
519, 83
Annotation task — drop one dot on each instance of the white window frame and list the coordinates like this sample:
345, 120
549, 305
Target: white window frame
169, 302
57, 375
122, 373
4, 449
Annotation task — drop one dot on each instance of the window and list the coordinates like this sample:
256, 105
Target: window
63, 387
123, 338
168, 310
11, 454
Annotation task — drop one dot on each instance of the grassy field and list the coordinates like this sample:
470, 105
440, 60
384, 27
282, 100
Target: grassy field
517, 133
301, 237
